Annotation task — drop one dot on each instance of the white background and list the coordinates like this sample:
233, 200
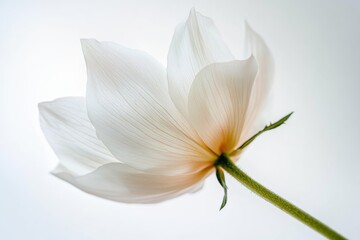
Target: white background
313, 161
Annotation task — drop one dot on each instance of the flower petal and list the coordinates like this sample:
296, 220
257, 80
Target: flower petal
86, 163
262, 83
119, 182
195, 45
69, 132
129, 106
218, 102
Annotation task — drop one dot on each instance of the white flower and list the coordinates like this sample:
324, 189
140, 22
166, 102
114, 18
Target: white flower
144, 134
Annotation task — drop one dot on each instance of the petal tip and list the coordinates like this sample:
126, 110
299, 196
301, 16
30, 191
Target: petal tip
249, 31
88, 43
192, 11
196, 15
43, 107
193, 15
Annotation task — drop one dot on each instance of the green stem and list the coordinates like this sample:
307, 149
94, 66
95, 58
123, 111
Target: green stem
224, 162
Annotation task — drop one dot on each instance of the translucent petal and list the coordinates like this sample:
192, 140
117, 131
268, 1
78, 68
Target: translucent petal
129, 105
195, 44
262, 83
119, 182
219, 100
69, 132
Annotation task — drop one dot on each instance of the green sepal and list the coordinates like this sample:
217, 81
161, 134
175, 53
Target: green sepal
266, 128
221, 178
